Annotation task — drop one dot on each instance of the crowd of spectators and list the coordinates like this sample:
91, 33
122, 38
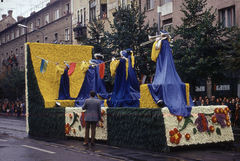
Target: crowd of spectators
16, 108
232, 103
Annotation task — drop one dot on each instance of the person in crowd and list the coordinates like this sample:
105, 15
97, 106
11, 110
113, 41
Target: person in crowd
236, 117
199, 101
207, 103
218, 101
213, 101
227, 103
195, 101
18, 109
202, 102
92, 116
224, 99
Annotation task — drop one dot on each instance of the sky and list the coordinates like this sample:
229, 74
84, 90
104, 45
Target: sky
21, 7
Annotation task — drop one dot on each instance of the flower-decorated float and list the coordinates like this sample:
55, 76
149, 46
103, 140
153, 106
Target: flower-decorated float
177, 123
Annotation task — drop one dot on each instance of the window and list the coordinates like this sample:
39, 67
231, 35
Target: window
150, 4
37, 41
23, 31
81, 16
92, 12
7, 37
3, 39
84, 16
227, 16
56, 14
56, 38
46, 19
67, 8
166, 1
17, 32
22, 53
16, 52
78, 16
12, 37
31, 26
124, 3
103, 9
66, 34
38, 22
46, 39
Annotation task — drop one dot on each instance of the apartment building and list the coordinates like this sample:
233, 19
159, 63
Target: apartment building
86, 11
52, 24
168, 14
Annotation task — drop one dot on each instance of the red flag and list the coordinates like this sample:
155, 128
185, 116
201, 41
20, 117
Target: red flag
72, 68
101, 70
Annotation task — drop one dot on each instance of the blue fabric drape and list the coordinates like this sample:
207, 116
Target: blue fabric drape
64, 86
134, 85
167, 85
92, 82
121, 96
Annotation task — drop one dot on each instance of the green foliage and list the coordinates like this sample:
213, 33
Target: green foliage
194, 130
232, 54
43, 122
12, 84
75, 118
129, 31
136, 128
218, 131
196, 52
187, 120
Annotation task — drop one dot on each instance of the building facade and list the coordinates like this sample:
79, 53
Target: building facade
52, 24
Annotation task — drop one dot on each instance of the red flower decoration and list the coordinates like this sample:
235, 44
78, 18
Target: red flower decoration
211, 128
227, 109
187, 136
228, 123
227, 118
67, 128
220, 110
216, 110
101, 125
175, 136
214, 119
74, 131
225, 112
101, 120
102, 112
179, 118
70, 116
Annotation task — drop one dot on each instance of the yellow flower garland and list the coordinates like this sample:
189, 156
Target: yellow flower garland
48, 86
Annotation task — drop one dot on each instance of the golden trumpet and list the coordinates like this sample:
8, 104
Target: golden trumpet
153, 37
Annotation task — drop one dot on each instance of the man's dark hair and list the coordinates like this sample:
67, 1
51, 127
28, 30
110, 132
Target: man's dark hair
92, 93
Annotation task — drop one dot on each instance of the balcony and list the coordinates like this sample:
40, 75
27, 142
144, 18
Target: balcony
80, 32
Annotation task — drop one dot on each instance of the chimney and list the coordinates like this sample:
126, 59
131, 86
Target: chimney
32, 13
19, 18
4, 16
10, 13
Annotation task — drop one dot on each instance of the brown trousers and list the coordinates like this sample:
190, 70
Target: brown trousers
93, 131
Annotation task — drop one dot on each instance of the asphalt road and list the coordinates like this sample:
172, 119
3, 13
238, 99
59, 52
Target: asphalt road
15, 144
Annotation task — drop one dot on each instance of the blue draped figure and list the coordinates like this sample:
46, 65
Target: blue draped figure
122, 95
93, 81
64, 83
167, 85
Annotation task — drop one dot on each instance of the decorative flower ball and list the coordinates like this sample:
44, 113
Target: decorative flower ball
227, 118
227, 109
101, 125
225, 112
171, 133
70, 116
220, 110
74, 131
211, 128
214, 119
216, 110
102, 112
179, 118
228, 123
187, 136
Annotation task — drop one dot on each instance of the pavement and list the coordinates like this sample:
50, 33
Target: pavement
219, 151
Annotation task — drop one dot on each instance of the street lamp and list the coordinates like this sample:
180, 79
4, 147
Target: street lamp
24, 26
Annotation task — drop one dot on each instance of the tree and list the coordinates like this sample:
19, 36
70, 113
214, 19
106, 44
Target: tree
196, 52
232, 59
129, 31
12, 85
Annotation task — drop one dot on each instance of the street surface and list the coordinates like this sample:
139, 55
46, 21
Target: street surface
15, 144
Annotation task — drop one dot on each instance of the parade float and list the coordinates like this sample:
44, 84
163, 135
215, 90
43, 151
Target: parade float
153, 126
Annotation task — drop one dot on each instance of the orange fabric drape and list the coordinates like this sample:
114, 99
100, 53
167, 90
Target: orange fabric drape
101, 70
